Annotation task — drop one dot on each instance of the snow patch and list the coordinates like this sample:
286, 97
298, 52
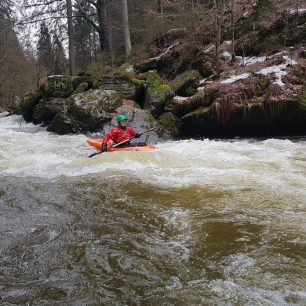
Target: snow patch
278, 70
246, 61
235, 78
294, 10
179, 98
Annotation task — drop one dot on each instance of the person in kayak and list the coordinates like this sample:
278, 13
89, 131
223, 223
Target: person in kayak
119, 134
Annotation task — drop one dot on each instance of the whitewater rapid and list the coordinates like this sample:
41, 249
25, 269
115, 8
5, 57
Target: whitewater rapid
29, 150
196, 222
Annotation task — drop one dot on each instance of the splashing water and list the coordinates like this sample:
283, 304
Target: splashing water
196, 222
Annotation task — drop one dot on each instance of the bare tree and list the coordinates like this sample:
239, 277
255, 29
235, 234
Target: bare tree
70, 38
126, 28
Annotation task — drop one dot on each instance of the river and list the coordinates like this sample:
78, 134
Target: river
197, 222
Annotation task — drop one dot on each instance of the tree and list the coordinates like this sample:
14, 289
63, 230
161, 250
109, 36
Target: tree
111, 23
51, 13
70, 37
45, 52
59, 58
17, 74
126, 28
86, 44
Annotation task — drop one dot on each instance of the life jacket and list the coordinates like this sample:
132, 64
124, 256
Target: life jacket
118, 134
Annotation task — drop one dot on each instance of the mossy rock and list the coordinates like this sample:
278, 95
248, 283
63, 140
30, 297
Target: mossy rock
56, 86
28, 102
128, 86
147, 65
302, 98
94, 107
63, 123
186, 84
157, 94
46, 110
83, 78
200, 99
171, 123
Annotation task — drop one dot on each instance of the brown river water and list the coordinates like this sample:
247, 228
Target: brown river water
197, 222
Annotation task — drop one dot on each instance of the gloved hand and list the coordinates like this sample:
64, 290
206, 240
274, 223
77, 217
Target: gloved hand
138, 135
104, 147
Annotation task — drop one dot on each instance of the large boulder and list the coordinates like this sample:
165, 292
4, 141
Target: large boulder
28, 102
180, 106
128, 87
63, 123
171, 123
157, 94
47, 109
94, 107
141, 120
186, 84
57, 86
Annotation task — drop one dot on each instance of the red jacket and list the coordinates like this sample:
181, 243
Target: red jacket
117, 135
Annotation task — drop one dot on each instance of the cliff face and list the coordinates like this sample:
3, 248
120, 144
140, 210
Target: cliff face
187, 89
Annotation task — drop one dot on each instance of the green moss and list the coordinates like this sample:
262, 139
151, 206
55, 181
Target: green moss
159, 86
264, 81
197, 114
189, 78
138, 82
170, 123
302, 99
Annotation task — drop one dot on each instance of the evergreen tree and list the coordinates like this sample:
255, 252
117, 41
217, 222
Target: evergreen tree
86, 44
45, 52
17, 74
59, 58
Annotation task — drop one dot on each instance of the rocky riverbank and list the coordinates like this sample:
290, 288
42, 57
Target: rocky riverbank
261, 91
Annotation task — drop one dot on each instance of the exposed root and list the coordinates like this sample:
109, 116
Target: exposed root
273, 101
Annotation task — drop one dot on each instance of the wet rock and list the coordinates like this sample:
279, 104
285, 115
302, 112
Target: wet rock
141, 120
171, 123
180, 106
28, 102
63, 123
94, 107
186, 84
129, 88
157, 94
46, 110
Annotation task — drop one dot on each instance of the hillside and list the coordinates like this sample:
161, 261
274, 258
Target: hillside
249, 80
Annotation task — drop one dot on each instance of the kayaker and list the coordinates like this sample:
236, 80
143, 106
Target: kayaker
119, 134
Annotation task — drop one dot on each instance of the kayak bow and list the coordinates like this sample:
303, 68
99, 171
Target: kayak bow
97, 143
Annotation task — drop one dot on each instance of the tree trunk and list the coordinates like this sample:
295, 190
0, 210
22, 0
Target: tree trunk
159, 7
217, 36
233, 30
126, 28
102, 24
70, 38
109, 30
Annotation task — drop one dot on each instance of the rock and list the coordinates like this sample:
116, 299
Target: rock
180, 106
94, 107
171, 123
81, 88
57, 86
141, 120
81, 79
29, 100
157, 94
129, 88
62, 124
46, 110
186, 84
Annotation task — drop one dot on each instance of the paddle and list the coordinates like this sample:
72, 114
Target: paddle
120, 143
